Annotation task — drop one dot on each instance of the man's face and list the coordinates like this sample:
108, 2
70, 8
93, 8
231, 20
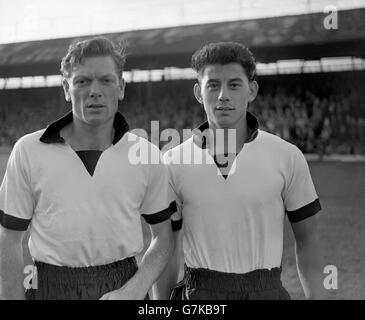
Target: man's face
225, 92
94, 89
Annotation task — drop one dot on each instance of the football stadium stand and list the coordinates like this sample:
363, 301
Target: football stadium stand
320, 112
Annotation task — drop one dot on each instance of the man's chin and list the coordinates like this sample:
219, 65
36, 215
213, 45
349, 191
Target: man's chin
224, 123
96, 120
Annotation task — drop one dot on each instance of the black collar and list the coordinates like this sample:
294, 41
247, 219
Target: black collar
52, 133
252, 126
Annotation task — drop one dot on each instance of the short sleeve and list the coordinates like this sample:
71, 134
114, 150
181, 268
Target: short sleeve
16, 197
176, 218
158, 203
300, 197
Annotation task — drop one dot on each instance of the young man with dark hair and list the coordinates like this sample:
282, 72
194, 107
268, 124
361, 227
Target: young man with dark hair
232, 204
75, 188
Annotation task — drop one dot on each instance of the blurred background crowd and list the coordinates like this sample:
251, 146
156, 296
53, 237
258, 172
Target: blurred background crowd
314, 121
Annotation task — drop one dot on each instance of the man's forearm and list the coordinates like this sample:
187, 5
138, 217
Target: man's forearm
11, 272
310, 270
169, 277
152, 265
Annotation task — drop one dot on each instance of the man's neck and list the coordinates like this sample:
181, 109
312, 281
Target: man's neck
240, 136
81, 136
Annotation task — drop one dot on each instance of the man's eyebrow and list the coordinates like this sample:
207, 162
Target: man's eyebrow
81, 76
236, 80
102, 76
106, 75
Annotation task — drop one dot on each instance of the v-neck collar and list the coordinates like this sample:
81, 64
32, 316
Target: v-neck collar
252, 126
89, 158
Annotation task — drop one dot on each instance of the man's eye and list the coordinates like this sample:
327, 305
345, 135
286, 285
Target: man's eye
235, 85
212, 86
81, 81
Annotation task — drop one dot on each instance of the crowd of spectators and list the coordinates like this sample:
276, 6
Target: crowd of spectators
19, 117
323, 125
327, 125
333, 124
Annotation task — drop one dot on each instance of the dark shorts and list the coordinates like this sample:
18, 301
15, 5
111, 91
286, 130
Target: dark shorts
85, 283
204, 284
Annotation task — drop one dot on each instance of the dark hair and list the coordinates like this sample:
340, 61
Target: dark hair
98, 46
223, 53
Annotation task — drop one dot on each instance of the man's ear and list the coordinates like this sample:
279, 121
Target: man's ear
198, 92
254, 89
121, 88
66, 89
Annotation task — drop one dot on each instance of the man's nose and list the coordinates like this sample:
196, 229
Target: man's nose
223, 94
95, 90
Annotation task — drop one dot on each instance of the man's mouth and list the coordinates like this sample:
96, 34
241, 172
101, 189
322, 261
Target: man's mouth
224, 108
95, 106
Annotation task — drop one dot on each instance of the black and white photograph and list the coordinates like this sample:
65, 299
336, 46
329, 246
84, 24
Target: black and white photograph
182, 150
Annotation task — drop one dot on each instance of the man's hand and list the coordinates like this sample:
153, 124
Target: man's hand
124, 293
152, 265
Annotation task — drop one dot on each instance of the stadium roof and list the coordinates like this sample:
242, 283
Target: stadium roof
270, 39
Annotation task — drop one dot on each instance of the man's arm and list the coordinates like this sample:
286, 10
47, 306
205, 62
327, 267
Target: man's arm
11, 264
152, 265
309, 262
169, 277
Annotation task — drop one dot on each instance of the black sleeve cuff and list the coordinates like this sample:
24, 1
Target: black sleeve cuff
176, 225
160, 216
305, 212
13, 223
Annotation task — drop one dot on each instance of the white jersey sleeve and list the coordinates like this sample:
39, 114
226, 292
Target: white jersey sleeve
158, 204
17, 202
176, 218
300, 197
